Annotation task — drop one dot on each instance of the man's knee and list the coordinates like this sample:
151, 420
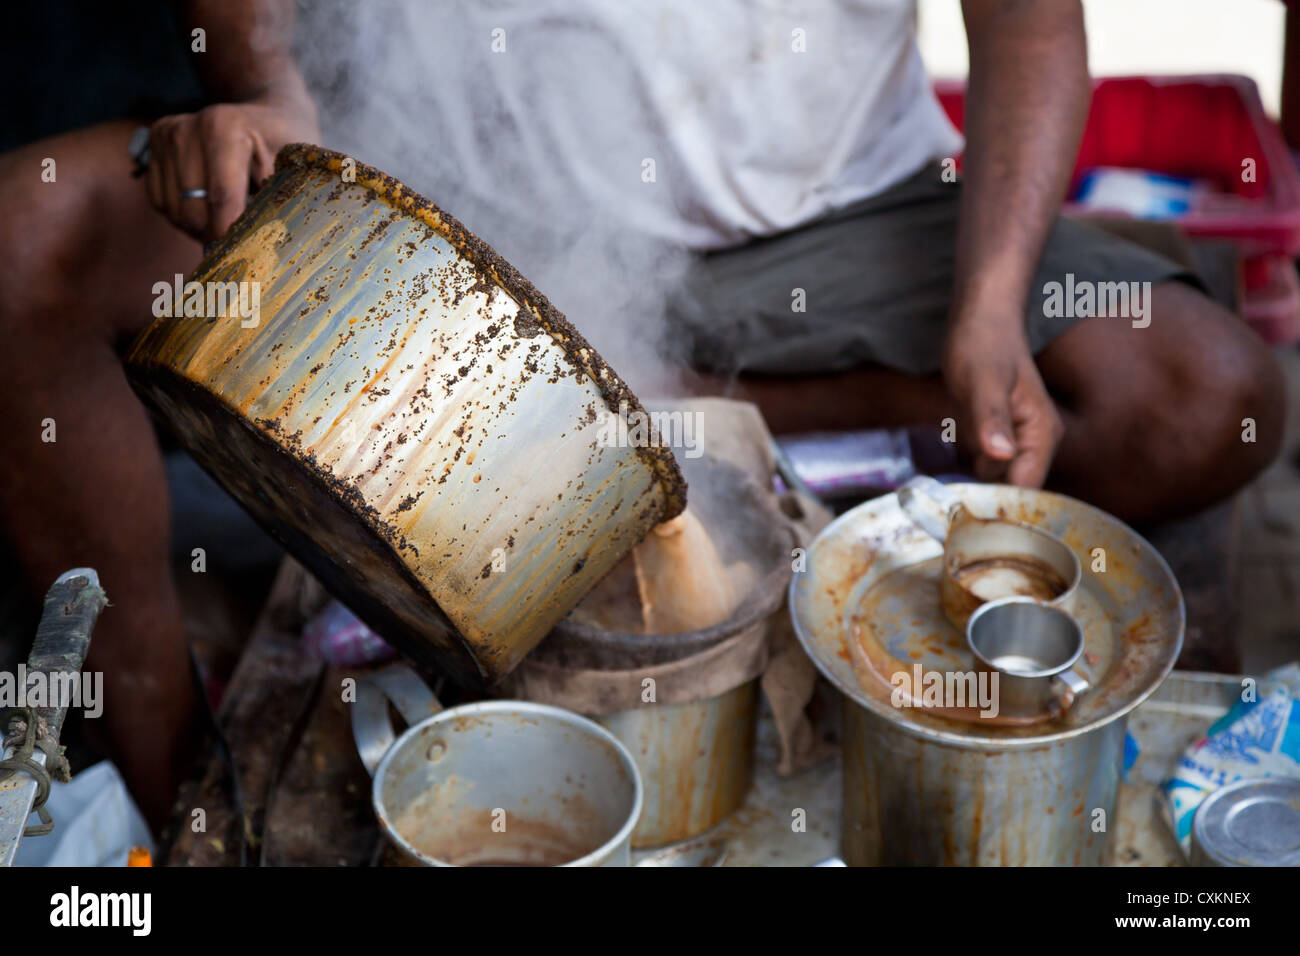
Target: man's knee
79, 254
43, 242
1255, 403
1215, 392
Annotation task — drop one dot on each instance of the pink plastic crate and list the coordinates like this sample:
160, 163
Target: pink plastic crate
1203, 127
1271, 298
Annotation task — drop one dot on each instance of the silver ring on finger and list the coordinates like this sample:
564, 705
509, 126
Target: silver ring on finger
194, 194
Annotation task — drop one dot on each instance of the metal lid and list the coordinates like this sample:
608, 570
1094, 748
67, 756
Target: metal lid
1249, 823
871, 591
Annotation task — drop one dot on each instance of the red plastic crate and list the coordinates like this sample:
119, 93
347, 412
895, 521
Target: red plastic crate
1271, 298
1201, 127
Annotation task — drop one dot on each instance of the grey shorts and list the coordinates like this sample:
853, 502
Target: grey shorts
876, 280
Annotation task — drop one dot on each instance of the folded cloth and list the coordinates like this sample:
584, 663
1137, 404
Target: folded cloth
1258, 737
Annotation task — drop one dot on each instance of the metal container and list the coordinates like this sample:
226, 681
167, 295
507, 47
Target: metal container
909, 801
497, 783
697, 761
1032, 647
945, 786
1249, 823
696, 757
407, 415
990, 556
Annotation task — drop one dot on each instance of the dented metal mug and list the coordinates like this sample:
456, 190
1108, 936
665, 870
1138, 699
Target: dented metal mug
1033, 648
494, 783
985, 559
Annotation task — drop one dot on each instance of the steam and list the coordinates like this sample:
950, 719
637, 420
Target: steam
559, 192
389, 77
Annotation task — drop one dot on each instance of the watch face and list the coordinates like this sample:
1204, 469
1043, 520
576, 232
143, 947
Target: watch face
138, 147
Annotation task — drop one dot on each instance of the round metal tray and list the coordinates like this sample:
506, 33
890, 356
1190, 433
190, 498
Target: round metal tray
874, 569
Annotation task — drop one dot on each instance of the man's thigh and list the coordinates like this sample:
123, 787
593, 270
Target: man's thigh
872, 285
1187, 356
85, 248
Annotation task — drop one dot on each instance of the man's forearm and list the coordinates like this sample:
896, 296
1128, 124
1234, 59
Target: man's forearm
248, 50
1026, 106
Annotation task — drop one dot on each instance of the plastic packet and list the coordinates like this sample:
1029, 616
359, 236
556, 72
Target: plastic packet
1258, 737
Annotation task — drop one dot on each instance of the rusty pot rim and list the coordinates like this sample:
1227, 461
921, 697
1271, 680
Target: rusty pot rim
770, 593
618, 397
763, 599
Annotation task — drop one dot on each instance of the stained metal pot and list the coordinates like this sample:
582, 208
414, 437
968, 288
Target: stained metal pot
406, 414
910, 800
931, 788
696, 757
505, 783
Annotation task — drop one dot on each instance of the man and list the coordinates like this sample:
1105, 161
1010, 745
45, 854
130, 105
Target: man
81, 254
792, 149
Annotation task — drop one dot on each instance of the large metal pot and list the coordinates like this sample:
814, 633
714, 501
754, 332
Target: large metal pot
407, 414
932, 788
696, 756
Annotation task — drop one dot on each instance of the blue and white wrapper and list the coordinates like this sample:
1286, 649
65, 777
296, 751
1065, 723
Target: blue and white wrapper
1259, 737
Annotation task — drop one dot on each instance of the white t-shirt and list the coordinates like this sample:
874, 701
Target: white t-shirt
703, 122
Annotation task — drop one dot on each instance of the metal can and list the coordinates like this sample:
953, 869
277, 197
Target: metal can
1249, 823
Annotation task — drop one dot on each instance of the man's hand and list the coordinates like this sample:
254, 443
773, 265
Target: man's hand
224, 150
1026, 104
1006, 410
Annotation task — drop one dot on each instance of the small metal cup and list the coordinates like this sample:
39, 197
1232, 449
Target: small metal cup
971, 542
495, 783
1032, 647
